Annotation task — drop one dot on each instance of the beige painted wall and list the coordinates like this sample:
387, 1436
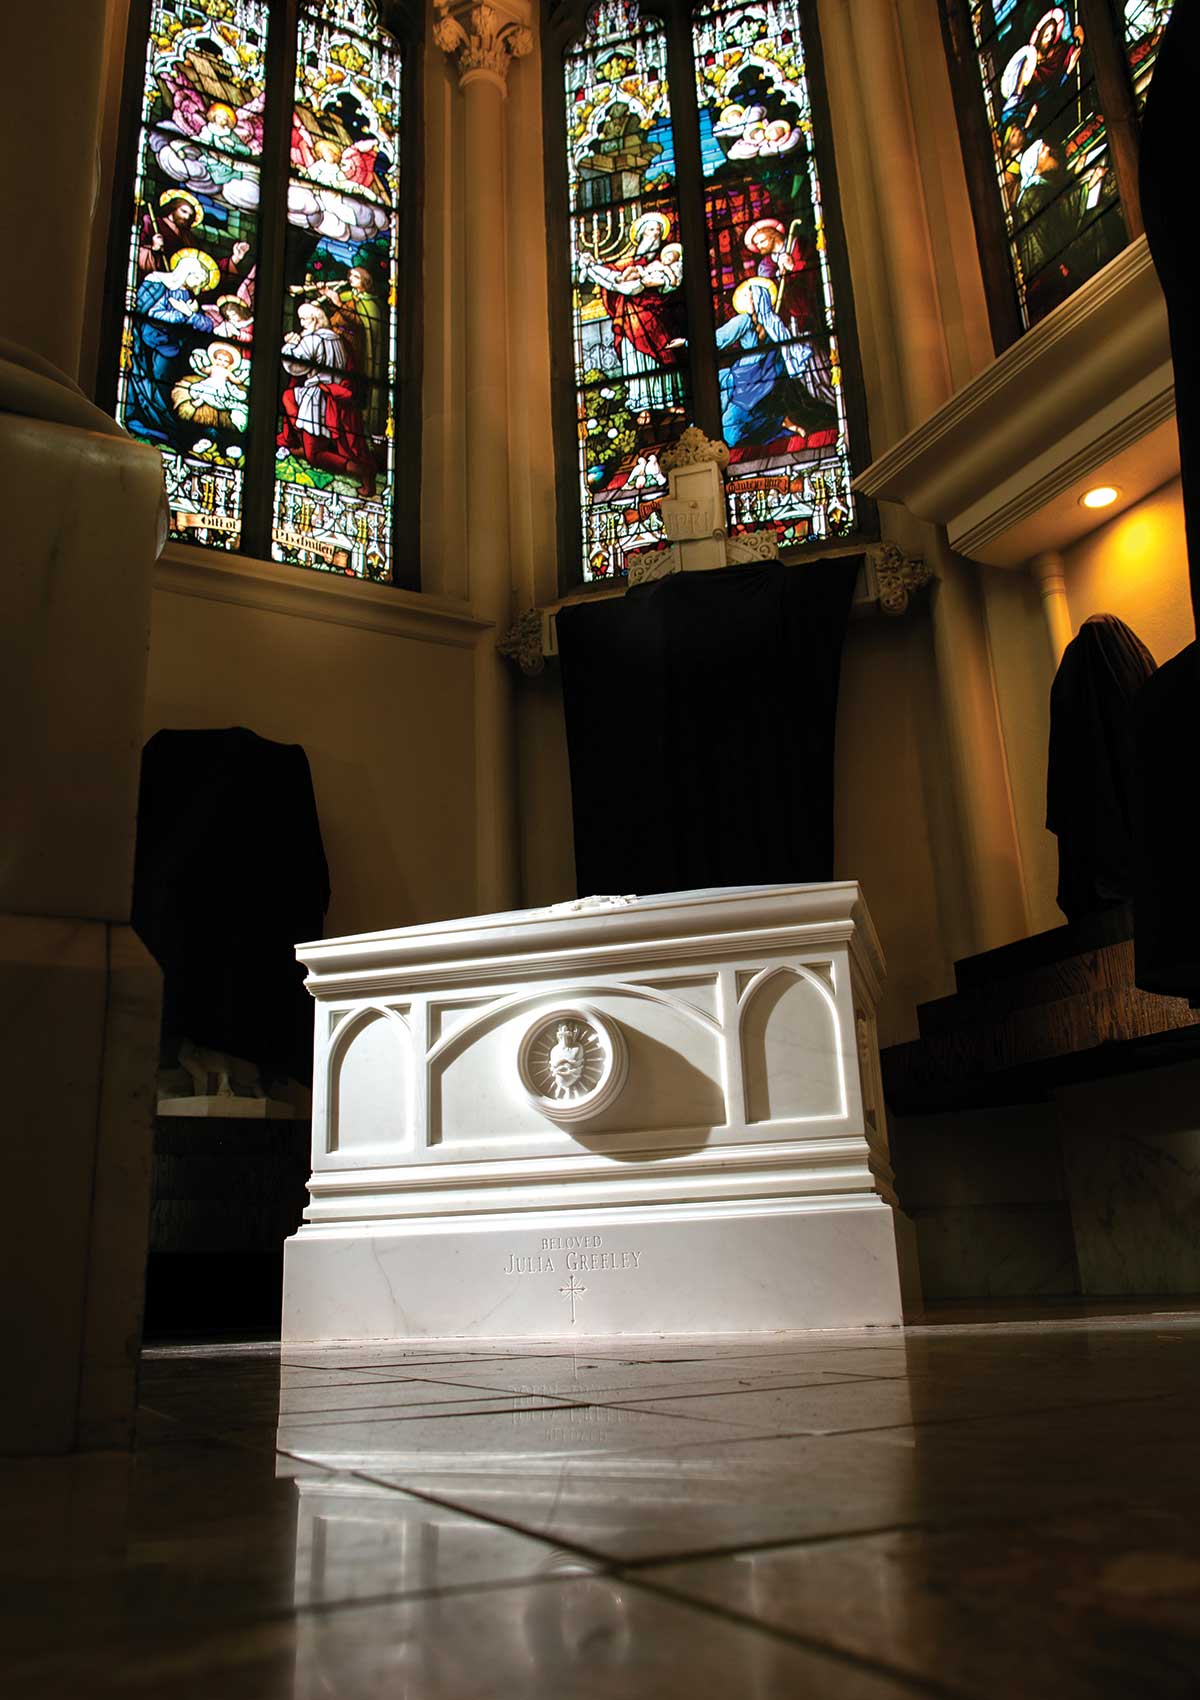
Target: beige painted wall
892, 806
387, 722
1023, 667
1136, 568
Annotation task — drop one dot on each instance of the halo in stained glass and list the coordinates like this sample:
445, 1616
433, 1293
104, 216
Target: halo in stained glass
783, 405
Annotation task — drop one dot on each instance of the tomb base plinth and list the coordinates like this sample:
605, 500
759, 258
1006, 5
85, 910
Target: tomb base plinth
624, 1116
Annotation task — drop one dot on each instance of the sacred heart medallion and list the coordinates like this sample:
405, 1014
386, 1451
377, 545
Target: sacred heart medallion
572, 1062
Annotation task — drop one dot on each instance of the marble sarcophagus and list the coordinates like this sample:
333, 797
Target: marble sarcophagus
655, 1115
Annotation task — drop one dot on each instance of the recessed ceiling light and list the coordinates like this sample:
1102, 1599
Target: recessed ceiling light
1103, 496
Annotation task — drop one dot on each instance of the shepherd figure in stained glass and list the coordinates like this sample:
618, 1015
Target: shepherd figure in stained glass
646, 321
322, 421
167, 307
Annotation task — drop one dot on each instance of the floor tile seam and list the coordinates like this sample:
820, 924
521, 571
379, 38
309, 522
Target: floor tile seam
431, 1407
436, 1413
597, 1561
876, 1428
748, 1392
989, 1416
947, 1524
925, 1687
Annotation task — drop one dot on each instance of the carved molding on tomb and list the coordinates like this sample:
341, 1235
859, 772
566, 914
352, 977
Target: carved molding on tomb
898, 577
485, 38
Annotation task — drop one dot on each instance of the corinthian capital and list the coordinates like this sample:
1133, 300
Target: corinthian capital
485, 37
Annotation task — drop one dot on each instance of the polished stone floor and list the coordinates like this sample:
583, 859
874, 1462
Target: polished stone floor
993, 1506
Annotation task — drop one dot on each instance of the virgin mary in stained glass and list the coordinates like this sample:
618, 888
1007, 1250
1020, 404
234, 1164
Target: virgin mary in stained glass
776, 385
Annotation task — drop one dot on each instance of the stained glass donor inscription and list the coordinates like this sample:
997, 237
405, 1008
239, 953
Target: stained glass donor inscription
1050, 146
188, 332
783, 407
336, 443
629, 321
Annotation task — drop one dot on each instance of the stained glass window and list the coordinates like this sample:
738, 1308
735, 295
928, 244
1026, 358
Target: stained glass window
1037, 86
188, 334
267, 195
744, 342
628, 314
1059, 190
335, 456
1144, 20
783, 407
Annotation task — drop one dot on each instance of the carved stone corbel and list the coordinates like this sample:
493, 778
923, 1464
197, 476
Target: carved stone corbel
485, 38
898, 577
523, 643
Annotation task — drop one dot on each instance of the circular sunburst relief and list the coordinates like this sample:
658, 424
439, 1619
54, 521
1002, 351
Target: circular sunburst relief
572, 1062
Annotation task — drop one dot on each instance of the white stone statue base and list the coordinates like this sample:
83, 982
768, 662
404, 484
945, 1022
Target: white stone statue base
617, 1117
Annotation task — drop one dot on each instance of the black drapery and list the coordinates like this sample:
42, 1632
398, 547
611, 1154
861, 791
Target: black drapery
700, 716
1167, 153
1166, 911
1090, 773
229, 876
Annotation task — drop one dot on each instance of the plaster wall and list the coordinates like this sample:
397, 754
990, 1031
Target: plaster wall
386, 720
1136, 567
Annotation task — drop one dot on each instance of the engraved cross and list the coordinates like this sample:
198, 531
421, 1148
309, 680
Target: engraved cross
572, 1292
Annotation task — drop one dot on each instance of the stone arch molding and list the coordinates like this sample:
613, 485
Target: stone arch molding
461, 1034
381, 1094
785, 1079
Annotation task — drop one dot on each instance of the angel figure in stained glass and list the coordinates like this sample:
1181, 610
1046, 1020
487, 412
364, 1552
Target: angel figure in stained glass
646, 321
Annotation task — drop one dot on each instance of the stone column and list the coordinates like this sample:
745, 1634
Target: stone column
50, 96
484, 39
82, 517
873, 84
1048, 574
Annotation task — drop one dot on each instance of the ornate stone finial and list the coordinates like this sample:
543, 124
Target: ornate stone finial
694, 449
523, 643
486, 38
898, 577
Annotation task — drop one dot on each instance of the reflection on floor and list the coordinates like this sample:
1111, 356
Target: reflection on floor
977, 1507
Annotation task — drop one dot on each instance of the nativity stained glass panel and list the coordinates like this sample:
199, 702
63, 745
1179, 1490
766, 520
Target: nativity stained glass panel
1144, 22
1050, 147
188, 330
783, 405
336, 441
632, 385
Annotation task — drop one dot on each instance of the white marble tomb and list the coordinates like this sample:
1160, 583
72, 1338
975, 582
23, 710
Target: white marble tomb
656, 1115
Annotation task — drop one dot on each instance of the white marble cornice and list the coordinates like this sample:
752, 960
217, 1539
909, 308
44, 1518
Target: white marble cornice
484, 37
1086, 395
